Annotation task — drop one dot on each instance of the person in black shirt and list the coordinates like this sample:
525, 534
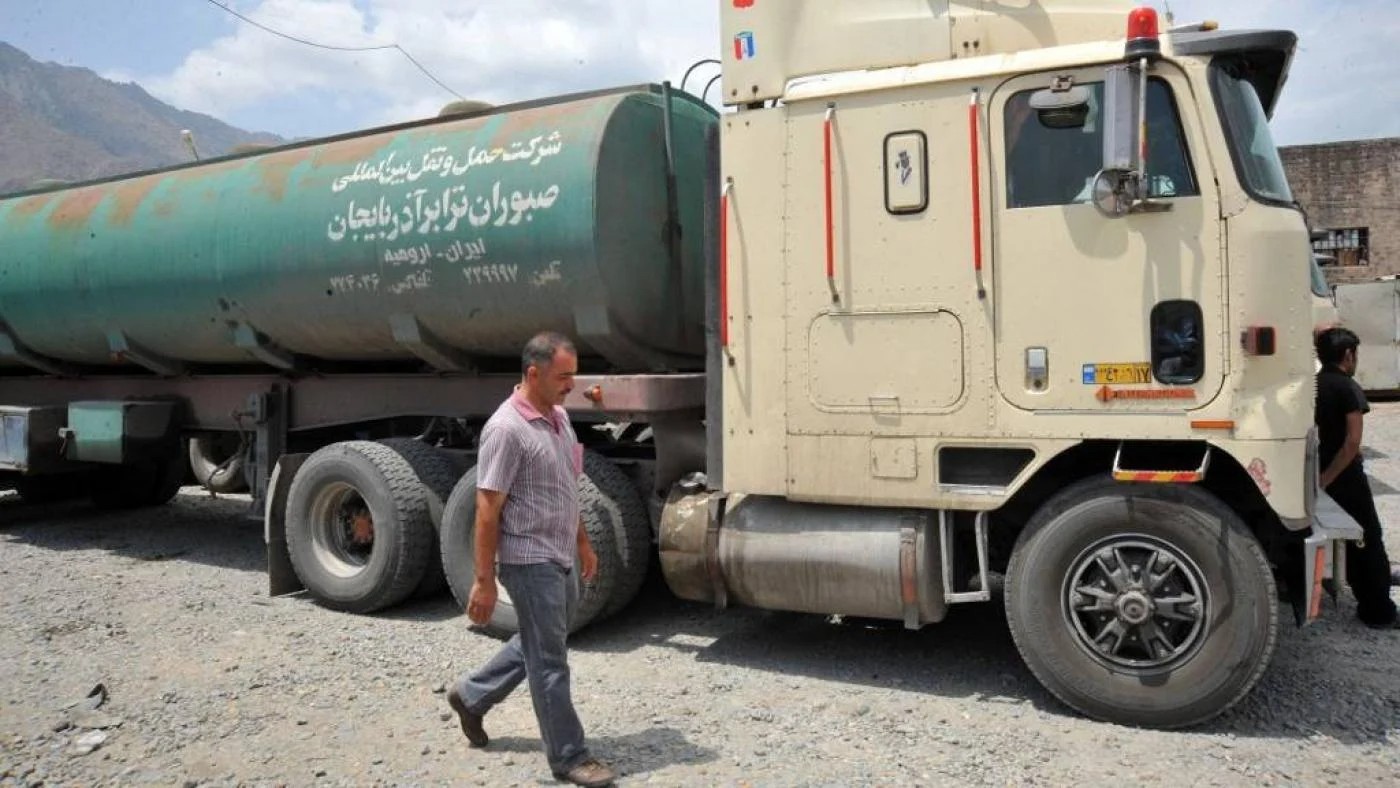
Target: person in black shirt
1340, 407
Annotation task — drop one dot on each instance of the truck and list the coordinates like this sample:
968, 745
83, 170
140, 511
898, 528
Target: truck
953, 302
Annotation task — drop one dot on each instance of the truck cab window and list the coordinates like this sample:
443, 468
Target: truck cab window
1247, 128
1056, 166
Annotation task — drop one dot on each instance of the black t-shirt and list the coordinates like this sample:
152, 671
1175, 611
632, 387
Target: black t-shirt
1337, 395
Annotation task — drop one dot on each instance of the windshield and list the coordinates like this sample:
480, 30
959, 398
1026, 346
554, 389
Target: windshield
1319, 279
1247, 126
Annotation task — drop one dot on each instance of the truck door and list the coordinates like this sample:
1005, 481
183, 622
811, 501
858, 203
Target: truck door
1094, 313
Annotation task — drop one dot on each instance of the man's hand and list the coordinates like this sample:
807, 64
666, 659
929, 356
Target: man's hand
482, 602
589, 561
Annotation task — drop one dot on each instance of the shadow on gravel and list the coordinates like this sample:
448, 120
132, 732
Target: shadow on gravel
1329, 679
1333, 679
969, 655
440, 607
633, 755
1379, 487
193, 527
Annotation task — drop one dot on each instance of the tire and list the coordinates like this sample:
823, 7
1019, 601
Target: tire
138, 485
336, 490
54, 488
438, 472
217, 462
458, 561
1210, 654
613, 500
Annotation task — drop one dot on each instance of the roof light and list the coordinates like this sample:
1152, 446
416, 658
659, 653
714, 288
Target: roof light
1143, 34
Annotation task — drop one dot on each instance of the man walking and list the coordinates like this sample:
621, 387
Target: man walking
1340, 407
527, 516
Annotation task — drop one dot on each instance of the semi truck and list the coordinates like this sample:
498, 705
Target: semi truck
952, 297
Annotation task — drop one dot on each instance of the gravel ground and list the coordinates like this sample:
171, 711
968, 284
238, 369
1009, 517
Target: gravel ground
211, 682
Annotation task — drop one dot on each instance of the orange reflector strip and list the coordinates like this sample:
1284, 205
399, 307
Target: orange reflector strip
1213, 425
1159, 477
1107, 394
1319, 564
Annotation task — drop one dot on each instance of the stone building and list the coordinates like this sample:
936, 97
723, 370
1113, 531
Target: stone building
1351, 191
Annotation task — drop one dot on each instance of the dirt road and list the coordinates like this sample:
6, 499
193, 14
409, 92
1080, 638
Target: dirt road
211, 682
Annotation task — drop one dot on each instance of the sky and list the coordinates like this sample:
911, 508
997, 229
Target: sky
1345, 82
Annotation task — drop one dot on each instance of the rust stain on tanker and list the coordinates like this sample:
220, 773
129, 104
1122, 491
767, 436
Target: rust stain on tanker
31, 205
514, 123
275, 169
76, 208
129, 197
351, 151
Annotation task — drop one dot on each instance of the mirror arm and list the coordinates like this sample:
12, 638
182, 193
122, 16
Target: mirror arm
1149, 205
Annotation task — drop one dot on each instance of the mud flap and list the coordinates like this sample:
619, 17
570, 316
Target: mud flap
281, 576
1324, 554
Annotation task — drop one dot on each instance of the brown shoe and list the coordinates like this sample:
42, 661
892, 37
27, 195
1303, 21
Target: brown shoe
471, 723
592, 773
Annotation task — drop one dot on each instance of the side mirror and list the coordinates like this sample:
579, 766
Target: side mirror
1113, 193
1122, 145
1119, 184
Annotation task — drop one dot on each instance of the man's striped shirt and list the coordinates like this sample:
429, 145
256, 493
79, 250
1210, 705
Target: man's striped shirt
536, 461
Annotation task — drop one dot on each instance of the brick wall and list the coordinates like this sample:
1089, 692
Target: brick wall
1352, 184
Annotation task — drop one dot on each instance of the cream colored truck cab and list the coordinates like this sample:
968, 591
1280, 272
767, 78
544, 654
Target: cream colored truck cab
1014, 289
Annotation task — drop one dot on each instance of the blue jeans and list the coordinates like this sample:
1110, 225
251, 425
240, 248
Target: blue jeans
544, 596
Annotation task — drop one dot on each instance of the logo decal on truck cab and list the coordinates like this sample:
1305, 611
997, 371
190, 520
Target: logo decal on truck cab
744, 46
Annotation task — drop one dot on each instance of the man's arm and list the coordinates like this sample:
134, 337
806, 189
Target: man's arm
497, 464
489, 504
1351, 448
482, 601
587, 558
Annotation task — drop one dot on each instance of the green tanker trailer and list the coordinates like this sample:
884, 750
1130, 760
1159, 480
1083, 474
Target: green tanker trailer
372, 286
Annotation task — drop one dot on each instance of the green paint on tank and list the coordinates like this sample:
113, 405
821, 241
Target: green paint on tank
481, 230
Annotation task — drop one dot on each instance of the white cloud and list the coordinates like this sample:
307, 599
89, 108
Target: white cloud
1343, 83
252, 65
492, 50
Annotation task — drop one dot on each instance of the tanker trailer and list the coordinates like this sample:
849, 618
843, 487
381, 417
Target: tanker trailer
346, 313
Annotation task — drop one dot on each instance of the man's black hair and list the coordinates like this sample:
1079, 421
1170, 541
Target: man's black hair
1333, 344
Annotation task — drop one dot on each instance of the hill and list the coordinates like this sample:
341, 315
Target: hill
70, 124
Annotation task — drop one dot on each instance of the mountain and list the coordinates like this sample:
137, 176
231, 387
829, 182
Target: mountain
70, 124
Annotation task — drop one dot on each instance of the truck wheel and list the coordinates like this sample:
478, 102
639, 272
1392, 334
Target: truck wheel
458, 561
137, 485
610, 497
1142, 604
217, 463
358, 528
437, 473
53, 488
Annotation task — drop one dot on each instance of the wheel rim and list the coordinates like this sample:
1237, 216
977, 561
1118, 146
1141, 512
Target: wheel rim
1136, 603
342, 530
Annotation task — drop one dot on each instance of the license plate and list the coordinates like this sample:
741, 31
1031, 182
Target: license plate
1117, 374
